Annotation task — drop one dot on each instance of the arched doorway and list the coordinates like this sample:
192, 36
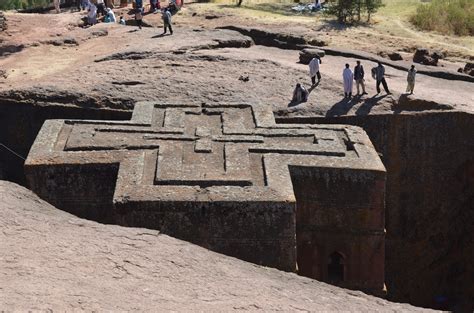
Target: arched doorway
336, 268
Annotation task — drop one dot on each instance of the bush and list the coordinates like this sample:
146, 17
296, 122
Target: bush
22, 4
446, 17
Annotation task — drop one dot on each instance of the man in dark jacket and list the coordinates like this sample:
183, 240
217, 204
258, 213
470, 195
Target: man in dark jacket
379, 73
359, 77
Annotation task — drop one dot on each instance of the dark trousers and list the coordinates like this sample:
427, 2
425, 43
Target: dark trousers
168, 26
384, 83
139, 24
313, 79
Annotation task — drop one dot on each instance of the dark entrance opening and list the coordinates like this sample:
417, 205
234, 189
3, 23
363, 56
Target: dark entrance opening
336, 268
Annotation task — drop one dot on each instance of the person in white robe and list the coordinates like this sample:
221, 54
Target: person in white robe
411, 79
348, 77
111, 15
314, 70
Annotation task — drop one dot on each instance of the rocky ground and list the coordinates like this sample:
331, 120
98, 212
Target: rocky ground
117, 65
48, 62
52, 260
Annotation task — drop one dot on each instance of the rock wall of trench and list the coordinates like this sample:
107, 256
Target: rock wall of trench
20, 122
429, 206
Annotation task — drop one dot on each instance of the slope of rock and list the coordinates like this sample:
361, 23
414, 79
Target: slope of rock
53, 260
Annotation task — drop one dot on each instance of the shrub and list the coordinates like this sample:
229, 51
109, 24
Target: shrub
22, 4
446, 17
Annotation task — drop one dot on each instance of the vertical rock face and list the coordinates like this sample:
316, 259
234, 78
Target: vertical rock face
20, 122
226, 177
429, 206
341, 246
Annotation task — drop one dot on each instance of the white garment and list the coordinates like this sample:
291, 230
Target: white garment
313, 67
348, 77
100, 2
111, 15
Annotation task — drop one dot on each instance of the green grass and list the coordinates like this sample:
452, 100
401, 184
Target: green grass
399, 8
21, 4
452, 17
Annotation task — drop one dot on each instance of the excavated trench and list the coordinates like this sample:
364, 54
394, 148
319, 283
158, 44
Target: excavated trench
430, 188
429, 157
21, 120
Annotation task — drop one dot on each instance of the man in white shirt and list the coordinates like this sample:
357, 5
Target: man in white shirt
314, 69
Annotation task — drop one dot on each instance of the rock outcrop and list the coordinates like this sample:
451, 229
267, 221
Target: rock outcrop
52, 260
308, 53
423, 56
468, 69
3, 21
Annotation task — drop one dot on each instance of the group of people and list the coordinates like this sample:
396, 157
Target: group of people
301, 94
99, 9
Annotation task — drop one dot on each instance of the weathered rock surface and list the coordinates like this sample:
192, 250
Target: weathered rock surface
52, 260
3, 21
281, 39
308, 53
395, 56
469, 69
429, 205
412, 103
401, 65
423, 56
169, 73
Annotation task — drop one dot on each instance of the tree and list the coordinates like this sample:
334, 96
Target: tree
347, 11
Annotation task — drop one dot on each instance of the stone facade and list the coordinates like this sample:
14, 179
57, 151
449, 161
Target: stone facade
226, 177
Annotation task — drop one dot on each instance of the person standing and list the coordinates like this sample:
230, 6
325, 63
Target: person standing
101, 8
57, 6
379, 73
359, 78
167, 21
139, 18
92, 14
411, 79
348, 78
314, 69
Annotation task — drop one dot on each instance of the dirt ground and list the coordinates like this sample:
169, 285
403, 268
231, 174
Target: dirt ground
197, 63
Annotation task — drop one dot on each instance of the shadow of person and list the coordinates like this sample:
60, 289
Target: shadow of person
368, 104
161, 35
312, 88
341, 107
